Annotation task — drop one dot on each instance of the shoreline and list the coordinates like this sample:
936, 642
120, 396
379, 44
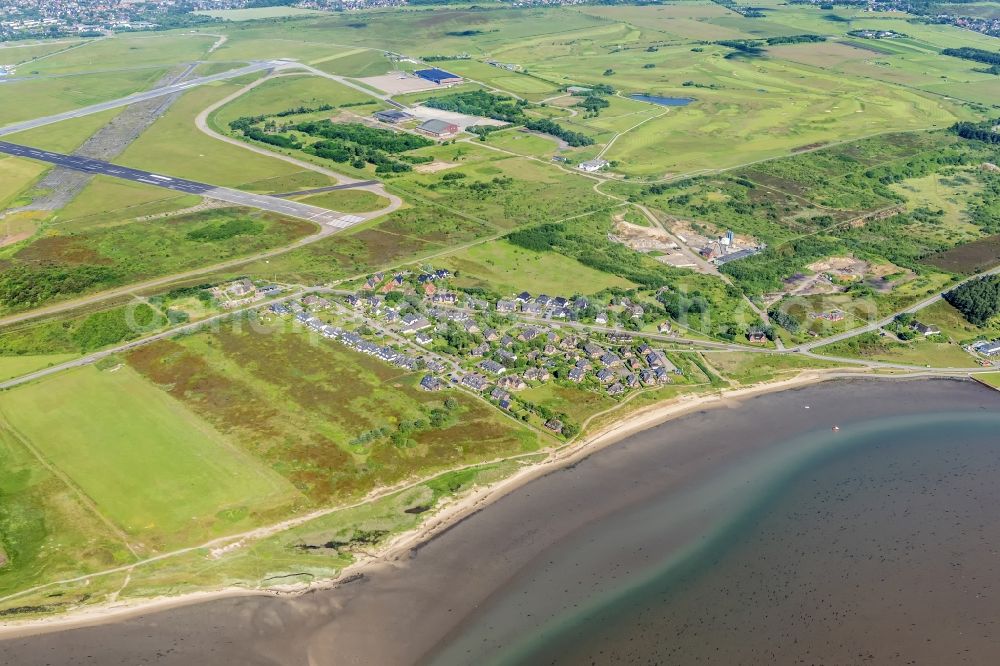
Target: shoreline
452, 511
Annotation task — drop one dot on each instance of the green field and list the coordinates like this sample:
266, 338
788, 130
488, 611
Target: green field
162, 475
346, 201
288, 92
507, 269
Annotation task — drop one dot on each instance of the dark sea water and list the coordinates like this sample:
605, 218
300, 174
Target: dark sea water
749, 533
875, 544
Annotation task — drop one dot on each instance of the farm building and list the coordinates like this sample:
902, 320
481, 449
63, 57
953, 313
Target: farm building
438, 76
391, 116
438, 128
593, 165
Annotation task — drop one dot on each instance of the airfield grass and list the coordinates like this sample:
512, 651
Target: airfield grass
162, 474
174, 146
65, 136
287, 92
16, 176
163, 50
21, 100
358, 64
15, 53
106, 200
347, 201
505, 268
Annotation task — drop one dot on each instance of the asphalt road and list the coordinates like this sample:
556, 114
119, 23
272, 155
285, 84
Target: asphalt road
327, 218
138, 97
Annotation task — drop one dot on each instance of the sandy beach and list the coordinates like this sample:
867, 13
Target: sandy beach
298, 625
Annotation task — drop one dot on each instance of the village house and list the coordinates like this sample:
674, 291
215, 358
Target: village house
499, 394
527, 334
593, 350
506, 306
605, 376
423, 338
475, 382
616, 389
537, 375
555, 425
507, 357
491, 335
430, 383
532, 309
512, 383
523, 297
601, 319
314, 302
664, 327
757, 337
492, 366
577, 374
610, 359
412, 323
925, 329
479, 351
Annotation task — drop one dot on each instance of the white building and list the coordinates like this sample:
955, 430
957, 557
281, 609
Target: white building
593, 165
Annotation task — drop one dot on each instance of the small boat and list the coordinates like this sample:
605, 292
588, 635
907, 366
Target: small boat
836, 428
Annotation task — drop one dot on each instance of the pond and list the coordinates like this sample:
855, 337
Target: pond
661, 100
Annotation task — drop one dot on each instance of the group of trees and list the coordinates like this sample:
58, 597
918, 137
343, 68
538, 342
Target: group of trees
546, 126
978, 131
482, 103
360, 144
978, 300
977, 55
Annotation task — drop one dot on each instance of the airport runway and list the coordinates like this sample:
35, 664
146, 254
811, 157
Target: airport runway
331, 220
138, 97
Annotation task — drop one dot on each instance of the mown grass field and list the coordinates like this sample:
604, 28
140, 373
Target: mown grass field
289, 92
174, 146
161, 475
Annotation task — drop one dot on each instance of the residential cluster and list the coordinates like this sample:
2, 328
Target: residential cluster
495, 348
